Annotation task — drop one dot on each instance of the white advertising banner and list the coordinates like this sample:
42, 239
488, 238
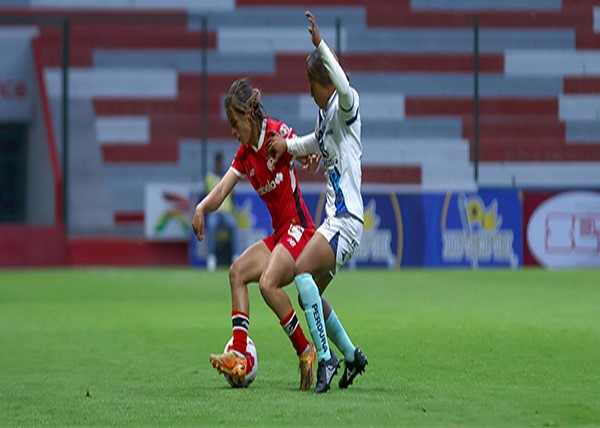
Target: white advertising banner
564, 231
16, 74
168, 211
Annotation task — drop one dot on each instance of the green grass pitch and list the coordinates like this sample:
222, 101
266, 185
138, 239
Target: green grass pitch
115, 347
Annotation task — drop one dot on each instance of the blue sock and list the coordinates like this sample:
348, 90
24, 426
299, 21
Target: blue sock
313, 309
338, 336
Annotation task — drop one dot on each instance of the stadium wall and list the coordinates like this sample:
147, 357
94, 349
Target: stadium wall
137, 107
41, 240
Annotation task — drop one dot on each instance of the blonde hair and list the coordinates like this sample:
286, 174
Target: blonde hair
244, 98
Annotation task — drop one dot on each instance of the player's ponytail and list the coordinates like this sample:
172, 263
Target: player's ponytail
243, 98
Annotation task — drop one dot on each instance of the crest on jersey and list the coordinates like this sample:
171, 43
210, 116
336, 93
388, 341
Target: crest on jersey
270, 164
284, 130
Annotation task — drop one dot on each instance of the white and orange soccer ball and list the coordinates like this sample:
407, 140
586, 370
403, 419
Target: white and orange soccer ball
249, 378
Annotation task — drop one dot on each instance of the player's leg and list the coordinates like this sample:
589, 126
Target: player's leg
245, 269
355, 360
335, 330
346, 233
278, 273
317, 259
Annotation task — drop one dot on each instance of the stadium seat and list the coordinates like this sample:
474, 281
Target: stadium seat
411, 61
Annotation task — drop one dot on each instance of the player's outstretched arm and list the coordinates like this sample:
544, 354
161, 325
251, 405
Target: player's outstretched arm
335, 70
296, 146
313, 29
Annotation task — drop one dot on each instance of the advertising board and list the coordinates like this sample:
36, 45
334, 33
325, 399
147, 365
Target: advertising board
563, 229
411, 230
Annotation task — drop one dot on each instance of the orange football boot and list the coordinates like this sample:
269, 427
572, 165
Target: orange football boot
306, 367
230, 364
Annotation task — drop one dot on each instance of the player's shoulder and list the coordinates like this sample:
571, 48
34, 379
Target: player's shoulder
243, 148
241, 154
281, 128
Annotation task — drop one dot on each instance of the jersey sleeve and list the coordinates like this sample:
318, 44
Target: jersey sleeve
289, 134
347, 97
237, 165
304, 145
285, 131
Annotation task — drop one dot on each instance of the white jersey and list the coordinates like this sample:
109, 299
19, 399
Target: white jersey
337, 137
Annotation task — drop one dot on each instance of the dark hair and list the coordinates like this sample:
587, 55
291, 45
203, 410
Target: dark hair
244, 98
316, 69
317, 72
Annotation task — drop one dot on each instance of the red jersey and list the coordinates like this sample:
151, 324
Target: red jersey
276, 184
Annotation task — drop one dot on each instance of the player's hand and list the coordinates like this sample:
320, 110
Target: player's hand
198, 223
313, 29
276, 145
313, 163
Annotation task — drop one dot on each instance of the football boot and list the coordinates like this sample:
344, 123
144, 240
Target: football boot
230, 364
325, 372
353, 369
306, 367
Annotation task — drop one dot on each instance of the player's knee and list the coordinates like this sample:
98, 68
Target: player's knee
300, 268
235, 274
266, 284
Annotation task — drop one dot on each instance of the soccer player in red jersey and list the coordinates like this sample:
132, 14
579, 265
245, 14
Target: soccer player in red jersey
270, 262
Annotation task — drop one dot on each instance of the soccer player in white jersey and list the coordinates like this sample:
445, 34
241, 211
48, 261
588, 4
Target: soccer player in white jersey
337, 140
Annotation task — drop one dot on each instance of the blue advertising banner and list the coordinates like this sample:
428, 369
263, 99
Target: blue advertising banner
481, 229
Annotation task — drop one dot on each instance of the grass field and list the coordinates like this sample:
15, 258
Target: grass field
446, 348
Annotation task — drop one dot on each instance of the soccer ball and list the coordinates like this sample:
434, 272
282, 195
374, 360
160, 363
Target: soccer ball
249, 378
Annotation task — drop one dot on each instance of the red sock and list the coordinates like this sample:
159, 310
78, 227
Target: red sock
240, 323
294, 331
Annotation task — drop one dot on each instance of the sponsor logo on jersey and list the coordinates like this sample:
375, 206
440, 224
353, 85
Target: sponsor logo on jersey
284, 131
270, 185
329, 162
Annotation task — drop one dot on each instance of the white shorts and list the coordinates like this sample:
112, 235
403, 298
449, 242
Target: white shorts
344, 235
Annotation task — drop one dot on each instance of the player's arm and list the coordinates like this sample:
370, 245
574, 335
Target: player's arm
311, 163
335, 70
213, 201
297, 146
